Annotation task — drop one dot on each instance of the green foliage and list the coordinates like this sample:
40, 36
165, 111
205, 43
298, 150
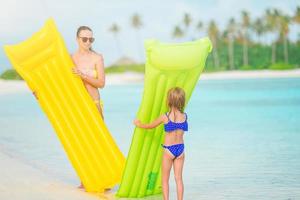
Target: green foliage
259, 57
246, 67
281, 66
124, 68
10, 74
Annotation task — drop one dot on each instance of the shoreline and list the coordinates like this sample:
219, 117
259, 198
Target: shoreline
16, 86
251, 74
22, 181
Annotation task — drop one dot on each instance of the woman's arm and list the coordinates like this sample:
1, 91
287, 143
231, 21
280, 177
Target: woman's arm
151, 125
35, 94
98, 82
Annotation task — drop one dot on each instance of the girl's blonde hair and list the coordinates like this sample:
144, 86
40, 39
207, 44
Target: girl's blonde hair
176, 98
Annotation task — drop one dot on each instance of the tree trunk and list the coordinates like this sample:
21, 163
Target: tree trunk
229, 56
215, 53
286, 55
231, 53
138, 46
187, 33
245, 52
118, 46
273, 52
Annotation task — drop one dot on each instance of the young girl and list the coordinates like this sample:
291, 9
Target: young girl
175, 123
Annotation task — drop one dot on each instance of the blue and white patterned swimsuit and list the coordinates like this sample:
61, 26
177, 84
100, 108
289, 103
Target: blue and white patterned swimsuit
176, 149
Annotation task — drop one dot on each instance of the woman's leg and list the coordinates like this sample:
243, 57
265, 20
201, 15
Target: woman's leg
167, 162
100, 109
81, 186
178, 167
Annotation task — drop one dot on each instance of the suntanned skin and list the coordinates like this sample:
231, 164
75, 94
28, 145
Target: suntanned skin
171, 138
84, 58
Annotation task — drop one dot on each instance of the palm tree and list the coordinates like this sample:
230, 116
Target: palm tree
136, 23
177, 32
284, 21
213, 33
245, 29
272, 20
230, 30
199, 26
187, 20
259, 28
298, 40
296, 17
115, 29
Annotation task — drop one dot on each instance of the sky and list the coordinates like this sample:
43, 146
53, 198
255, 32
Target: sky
20, 19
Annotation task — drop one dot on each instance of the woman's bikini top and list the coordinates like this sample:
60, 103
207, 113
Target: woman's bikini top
89, 72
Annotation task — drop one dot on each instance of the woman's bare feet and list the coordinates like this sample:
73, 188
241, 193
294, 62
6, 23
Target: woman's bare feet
81, 186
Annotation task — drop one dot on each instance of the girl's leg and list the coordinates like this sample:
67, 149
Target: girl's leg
178, 167
167, 162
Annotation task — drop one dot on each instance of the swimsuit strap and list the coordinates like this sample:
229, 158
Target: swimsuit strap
167, 114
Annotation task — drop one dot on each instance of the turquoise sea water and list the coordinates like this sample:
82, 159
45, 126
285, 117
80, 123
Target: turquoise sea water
243, 142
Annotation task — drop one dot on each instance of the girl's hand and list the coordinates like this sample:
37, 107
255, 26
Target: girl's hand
137, 122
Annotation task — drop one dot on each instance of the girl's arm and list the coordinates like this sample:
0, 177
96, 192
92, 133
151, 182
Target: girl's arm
151, 125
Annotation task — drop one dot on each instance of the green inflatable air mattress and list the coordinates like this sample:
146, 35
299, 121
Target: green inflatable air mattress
167, 66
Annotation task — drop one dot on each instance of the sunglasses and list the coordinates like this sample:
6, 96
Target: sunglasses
85, 39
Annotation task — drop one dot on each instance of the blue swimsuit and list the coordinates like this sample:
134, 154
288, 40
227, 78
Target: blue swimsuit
176, 149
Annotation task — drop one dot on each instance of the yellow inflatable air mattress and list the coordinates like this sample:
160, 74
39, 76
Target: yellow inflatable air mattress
45, 64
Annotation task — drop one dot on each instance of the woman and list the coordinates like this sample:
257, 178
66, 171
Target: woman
89, 65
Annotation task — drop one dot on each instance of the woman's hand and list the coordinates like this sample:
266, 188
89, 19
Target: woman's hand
35, 94
137, 122
77, 72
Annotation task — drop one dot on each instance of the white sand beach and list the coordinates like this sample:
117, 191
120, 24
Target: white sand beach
253, 74
8, 87
15, 86
21, 181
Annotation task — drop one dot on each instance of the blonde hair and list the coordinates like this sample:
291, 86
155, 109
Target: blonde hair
176, 98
